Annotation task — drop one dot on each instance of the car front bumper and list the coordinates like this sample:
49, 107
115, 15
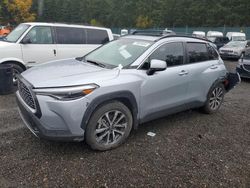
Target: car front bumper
229, 55
60, 120
242, 72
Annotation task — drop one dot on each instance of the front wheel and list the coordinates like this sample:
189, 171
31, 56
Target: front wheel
214, 99
109, 126
16, 71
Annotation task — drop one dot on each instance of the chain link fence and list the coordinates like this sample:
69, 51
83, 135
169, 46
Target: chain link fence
189, 30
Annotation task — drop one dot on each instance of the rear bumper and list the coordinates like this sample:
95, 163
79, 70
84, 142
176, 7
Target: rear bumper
232, 79
41, 130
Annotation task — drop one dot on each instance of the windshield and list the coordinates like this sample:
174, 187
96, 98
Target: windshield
120, 52
16, 33
239, 38
238, 44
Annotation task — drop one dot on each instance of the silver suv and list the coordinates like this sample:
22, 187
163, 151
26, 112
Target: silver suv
102, 96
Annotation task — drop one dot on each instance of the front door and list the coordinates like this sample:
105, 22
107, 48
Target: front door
40, 47
165, 92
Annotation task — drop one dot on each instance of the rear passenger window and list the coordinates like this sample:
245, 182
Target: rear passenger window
97, 36
197, 52
69, 35
212, 54
172, 53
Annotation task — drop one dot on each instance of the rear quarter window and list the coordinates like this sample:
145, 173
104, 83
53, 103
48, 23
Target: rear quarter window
197, 52
212, 54
97, 36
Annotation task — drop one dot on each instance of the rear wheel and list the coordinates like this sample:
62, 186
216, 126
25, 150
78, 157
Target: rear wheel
215, 99
109, 126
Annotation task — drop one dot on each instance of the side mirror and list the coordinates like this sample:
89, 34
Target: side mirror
156, 65
26, 40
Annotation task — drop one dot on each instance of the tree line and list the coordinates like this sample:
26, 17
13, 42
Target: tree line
129, 13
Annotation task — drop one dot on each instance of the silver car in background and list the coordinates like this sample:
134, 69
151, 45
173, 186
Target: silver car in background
234, 49
101, 97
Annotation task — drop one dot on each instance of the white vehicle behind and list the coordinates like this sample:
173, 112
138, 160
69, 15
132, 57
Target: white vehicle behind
31, 44
199, 34
214, 34
236, 36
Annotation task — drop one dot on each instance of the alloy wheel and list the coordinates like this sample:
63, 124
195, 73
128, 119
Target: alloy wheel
111, 127
216, 98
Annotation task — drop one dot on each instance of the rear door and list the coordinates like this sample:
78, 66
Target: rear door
203, 65
41, 47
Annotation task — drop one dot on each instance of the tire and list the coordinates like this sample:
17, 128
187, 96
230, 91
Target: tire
110, 135
215, 99
16, 70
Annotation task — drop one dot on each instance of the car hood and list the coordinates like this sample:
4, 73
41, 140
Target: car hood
68, 72
4, 44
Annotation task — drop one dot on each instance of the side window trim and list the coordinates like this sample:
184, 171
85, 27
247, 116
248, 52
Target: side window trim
52, 35
139, 67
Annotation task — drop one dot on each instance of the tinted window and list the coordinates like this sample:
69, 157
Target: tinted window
97, 36
40, 35
172, 53
70, 35
212, 54
197, 52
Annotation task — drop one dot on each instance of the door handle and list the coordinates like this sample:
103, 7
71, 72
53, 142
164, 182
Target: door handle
213, 67
54, 52
183, 72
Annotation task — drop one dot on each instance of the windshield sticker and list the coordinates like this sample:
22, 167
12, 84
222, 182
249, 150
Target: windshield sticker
125, 54
142, 44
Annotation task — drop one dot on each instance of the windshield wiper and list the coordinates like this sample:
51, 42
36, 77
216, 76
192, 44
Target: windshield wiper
96, 63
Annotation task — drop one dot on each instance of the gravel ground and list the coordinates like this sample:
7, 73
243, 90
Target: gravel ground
190, 149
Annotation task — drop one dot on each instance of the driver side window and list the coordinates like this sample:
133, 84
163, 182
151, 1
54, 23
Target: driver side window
40, 35
171, 53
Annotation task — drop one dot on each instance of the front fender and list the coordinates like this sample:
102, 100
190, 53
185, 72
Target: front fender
109, 97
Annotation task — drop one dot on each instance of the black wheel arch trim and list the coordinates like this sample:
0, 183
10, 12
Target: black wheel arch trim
220, 80
119, 96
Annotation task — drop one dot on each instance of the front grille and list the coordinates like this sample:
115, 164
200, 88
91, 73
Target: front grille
227, 51
26, 95
246, 67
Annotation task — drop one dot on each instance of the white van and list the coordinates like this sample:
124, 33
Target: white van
236, 36
199, 34
214, 34
30, 44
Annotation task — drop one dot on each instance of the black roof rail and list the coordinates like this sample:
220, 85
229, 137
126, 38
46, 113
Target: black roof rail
154, 33
186, 36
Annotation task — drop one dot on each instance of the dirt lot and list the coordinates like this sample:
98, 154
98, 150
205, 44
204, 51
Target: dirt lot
190, 149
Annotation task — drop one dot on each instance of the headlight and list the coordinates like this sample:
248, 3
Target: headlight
236, 53
67, 93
